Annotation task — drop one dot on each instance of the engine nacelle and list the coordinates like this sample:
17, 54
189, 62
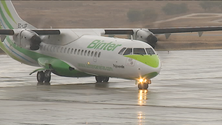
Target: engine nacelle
146, 36
27, 39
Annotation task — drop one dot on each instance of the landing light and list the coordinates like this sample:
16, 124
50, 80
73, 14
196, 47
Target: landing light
143, 80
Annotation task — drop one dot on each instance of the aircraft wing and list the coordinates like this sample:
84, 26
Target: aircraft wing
164, 30
183, 29
148, 35
123, 30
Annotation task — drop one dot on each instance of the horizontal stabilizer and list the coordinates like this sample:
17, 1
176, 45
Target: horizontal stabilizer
39, 32
6, 32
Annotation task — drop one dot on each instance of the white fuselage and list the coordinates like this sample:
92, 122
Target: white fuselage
91, 54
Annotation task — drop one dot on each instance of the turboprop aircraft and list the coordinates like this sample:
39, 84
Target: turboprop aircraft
84, 52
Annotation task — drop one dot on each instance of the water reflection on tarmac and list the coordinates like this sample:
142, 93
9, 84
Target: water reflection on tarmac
187, 92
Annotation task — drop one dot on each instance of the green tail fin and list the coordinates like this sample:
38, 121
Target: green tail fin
9, 18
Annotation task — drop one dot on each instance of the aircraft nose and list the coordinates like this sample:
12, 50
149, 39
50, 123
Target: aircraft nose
152, 64
151, 60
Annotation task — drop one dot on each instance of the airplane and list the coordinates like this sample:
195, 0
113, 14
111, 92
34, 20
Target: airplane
84, 52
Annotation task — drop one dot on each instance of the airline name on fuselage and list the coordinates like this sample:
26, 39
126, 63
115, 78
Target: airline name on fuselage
98, 44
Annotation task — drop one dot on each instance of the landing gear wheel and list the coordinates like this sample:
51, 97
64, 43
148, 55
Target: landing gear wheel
98, 79
40, 76
101, 79
47, 76
44, 78
143, 86
106, 79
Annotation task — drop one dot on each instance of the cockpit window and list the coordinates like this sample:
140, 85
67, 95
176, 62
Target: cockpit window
121, 51
150, 51
128, 51
139, 51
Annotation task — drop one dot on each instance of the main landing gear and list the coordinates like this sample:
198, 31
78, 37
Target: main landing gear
44, 78
143, 84
101, 79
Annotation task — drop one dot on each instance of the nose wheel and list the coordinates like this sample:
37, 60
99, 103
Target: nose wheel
101, 79
143, 84
44, 78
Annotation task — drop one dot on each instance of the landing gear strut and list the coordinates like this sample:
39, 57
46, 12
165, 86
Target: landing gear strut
44, 78
143, 84
101, 79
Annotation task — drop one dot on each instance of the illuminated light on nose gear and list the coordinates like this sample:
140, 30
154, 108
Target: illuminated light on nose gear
143, 80
143, 83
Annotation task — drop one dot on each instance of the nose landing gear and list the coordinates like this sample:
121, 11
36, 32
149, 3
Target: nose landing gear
143, 83
101, 79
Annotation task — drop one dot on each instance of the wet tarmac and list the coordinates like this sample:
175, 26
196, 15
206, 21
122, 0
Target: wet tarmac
187, 92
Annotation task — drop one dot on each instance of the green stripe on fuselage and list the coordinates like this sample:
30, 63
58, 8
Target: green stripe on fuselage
150, 60
59, 67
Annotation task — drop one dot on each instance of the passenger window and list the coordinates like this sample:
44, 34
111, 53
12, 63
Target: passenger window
75, 51
95, 54
65, 50
92, 53
139, 51
121, 51
78, 51
150, 51
71, 50
61, 49
88, 53
68, 50
99, 54
85, 52
82, 52
128, 51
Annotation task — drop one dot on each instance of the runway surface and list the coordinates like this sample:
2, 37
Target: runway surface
188, 91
